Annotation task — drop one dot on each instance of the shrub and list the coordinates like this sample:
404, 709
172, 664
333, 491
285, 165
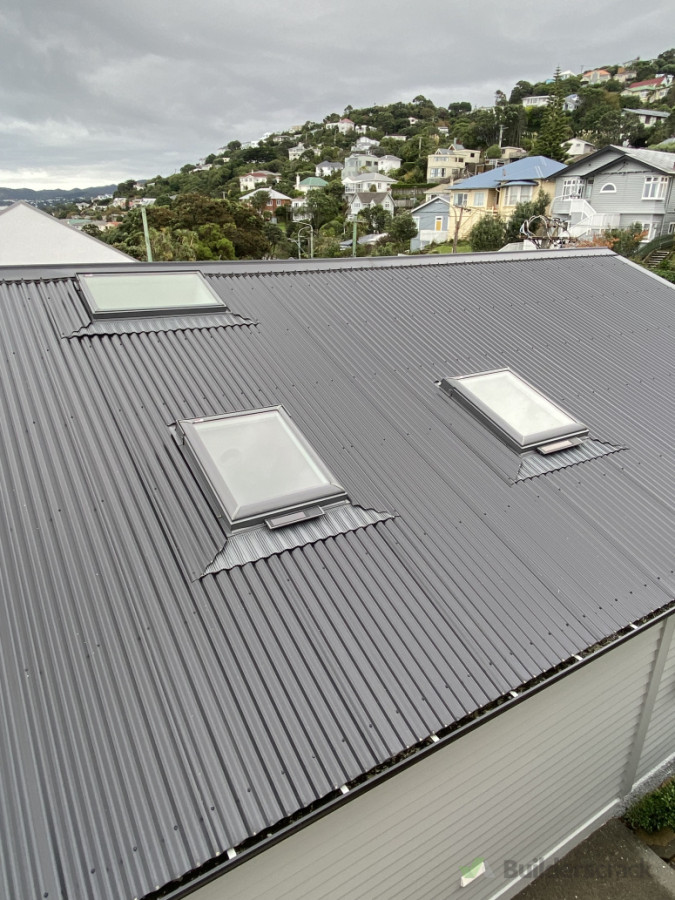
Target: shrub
655, 811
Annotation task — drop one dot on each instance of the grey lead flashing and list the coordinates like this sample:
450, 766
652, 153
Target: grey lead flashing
534, 464
154, 324
261, 543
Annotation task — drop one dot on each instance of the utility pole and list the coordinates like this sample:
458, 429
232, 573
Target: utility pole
457, 226
146, 233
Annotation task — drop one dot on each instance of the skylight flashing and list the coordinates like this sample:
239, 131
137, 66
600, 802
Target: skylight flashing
121, 295
516, 411
258, 468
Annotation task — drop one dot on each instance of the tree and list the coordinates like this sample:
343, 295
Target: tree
487, 234
403, 228
377, 219
493, 152
522, 212
554, 129
623, 241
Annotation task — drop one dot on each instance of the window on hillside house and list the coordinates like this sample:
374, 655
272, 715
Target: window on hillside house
518, 193
608, 188
519, 413
125, 294
461, 199
259, 467
654, 187
671, 228
479, 198
572, 189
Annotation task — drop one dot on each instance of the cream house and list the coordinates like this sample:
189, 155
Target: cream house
500, 190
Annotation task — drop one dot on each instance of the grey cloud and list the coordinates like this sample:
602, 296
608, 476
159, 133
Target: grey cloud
143, 86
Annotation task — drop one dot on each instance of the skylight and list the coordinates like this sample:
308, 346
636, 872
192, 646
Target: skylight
148, 294
518, 412
259, 467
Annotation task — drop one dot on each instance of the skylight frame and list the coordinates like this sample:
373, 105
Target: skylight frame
97, 312
307, 503
565, 436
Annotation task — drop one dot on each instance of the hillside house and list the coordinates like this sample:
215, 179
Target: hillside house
253, 180
578, 147
275, 199
433, 219
367, 200
364, 143
294, 605
650, 90
616, 187
539, 100
596, 76
447, 163
326, 169
297, 151
648, 117
359, 163
367, 181
500, 190
311, 183
388, 163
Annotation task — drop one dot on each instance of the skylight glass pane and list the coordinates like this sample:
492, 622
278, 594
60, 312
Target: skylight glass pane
152, 292
259, 463
517, 409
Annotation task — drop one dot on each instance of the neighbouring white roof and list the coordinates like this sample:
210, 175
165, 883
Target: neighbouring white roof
273, 195
29, 236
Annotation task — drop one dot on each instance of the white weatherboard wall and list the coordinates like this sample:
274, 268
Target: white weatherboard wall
529, 783
660, 740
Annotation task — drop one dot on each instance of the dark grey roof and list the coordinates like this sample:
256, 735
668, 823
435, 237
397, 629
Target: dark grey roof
154, 717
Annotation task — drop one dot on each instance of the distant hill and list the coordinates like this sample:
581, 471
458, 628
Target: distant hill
56, 195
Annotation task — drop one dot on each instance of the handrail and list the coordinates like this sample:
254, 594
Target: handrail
664, 242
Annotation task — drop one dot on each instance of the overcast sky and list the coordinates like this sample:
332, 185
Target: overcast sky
96, 92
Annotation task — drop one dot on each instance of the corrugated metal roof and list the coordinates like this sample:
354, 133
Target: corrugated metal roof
526, 169
151, 718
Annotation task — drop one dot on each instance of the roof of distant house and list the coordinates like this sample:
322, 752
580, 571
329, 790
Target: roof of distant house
648, 82
29, 236
368, 196
369, 177
273, 195
532, 168
657, 113
313, 181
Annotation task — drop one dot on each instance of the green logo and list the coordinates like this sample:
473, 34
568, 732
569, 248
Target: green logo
473, 870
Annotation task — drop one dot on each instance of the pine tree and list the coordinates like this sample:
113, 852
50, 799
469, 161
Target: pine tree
554, 129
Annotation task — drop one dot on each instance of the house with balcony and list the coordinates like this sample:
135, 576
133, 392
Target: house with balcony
500, 190
616, 187
359, 163
374, 182
451, 162
540, 100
